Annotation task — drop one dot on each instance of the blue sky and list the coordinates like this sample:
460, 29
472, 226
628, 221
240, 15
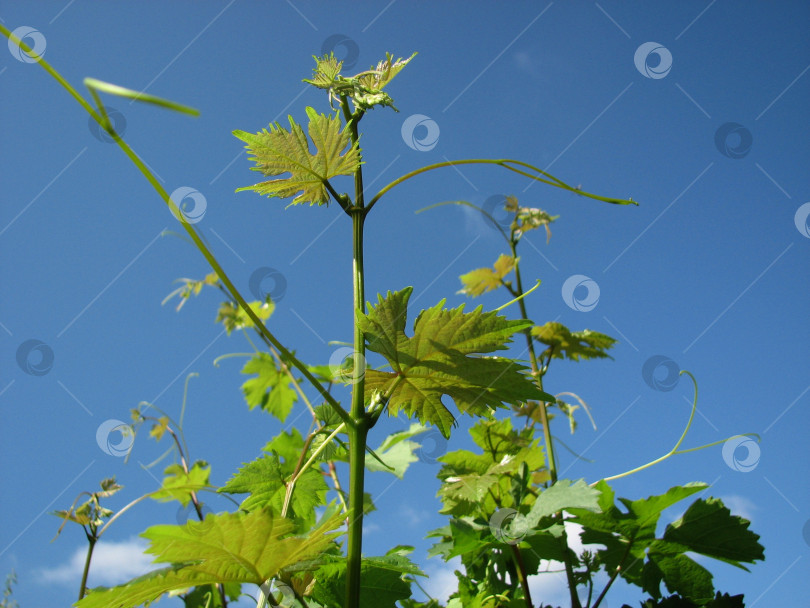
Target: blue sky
706, 128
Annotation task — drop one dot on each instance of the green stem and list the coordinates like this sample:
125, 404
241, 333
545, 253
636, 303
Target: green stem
552, 463
521, 575
91, 539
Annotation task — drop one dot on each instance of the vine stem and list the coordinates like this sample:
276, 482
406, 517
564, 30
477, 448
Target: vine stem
361, 421
91, 539
552, 462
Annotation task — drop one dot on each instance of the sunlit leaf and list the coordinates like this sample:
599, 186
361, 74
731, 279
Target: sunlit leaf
227, 548
443, 358
178, 485
575, 345
271, 388
279, 151
482, 280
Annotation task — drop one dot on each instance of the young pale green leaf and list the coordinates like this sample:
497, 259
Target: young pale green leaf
226, 548
396, 452
233, 317
482, 280
378, 77
279, 151
271, 387
575, 345
178, 485
440, 359
326, 71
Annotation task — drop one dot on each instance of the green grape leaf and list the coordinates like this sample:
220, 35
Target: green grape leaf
265, 480
226, 548
270, 389
482, 280
437, 360
575, 345
709, 528
683, 575
563, 495
382, 581
279, 151
178, 485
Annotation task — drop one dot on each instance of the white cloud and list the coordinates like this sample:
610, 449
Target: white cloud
739, 505
442, 581
412, 516
113, 563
